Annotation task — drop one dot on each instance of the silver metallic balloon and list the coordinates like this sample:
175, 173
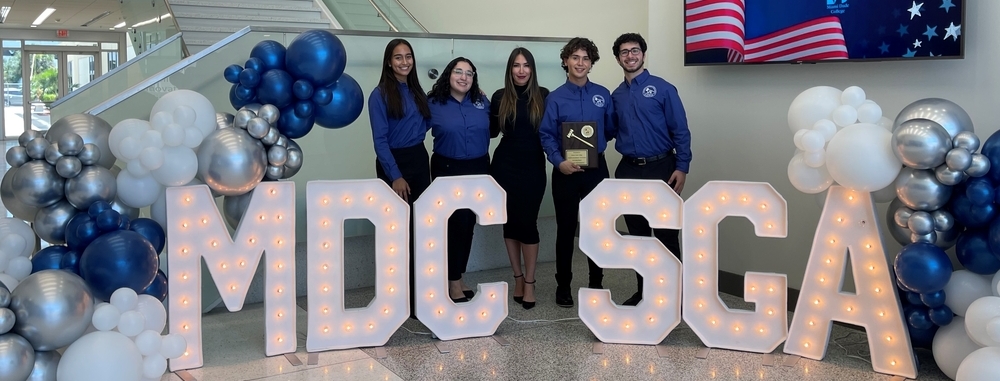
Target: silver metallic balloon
980, 165
28, 136
919, 189
920, 143
958, 159
967, 140
92, 129
68, 167
46, 364
254, 107
294, 162
17, 156
900, 234
920, 223
948, 238
928, 238
53, 308
947, 176
70, 143
90, 154
274, 172
231, 162
270, 113
52, 154
36, 148
6, 319
277, 155
224, 120
271, 137
258, 127
242, 118
901, 214
50, 222
4, 296
282, 141
92, 184
946, 113
233, 208
37, 184
14, 206
16, 357
125, 210
943, 220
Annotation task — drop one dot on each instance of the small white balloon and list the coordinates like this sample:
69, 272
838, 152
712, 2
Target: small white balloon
808, 179
136, 169
153, 311
825, 127
869, 113
980, 365
153, 366
885, 123
845, 115
151, 158
184, 115
977, 318
993, 329
173, 135
192, 137
813, 141
951, 345
160, 120
106, 317
149, 343
853, 96
815, 159
811, 105
125, 299
132, 323
964, 288
13, 243
173, 346
19, 268
797, 138
129, 148
151, 138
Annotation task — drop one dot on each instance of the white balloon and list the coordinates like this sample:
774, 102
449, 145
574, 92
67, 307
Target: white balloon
980, 365
106, 317
173, 135
815, 159
151, 138
153, 313
142, 190
951, 345
963, 288
14, 244
149, 343
136, 168
993, 329
845, 115
4, 261
125, 299
859, 157
101, 356
173, 346
181, 167
153, 366
886, 194
17, 235
151, 158
129, 148
869, 113
9, 281
885, 123
978, 316
812, 141
808, 179
204, 111
132, 323
812, 105
184, 115
127, 128
19, 268
825, 127
853, 96
797, 139
158, 211
161, 119
193, 137
995, 286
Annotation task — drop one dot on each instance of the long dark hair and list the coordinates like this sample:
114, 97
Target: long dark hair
389, 84
508, 101
442, 88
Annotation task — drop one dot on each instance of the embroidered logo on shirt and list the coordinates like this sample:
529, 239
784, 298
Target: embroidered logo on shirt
649, 91
479, 105
598, 101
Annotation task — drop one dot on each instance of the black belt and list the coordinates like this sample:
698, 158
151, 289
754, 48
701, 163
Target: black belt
647, 160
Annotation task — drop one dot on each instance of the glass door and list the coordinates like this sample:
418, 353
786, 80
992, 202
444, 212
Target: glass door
80, 70
43, 84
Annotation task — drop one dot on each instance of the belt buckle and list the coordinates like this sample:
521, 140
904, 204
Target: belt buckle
640, 161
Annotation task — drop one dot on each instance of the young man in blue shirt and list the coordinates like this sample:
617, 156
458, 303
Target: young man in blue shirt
653, 136
577, 100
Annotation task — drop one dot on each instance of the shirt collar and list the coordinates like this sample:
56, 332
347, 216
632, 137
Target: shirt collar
640, 79
575, 88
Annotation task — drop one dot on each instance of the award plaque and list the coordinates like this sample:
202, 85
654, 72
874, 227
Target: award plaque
579, 143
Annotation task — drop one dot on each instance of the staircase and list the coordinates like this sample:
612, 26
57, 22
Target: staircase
205, 22
358, 15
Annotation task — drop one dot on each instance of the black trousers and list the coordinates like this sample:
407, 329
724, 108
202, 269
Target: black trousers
638, 225
462, 223
567, 192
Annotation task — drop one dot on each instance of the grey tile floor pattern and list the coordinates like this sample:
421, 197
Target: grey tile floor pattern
546, 343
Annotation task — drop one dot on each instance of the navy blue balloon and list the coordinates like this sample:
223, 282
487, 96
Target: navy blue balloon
48, 258
922, 338
232, 73
918, 318
316, 56
71, 262
304, 109
902, 287
344, 109
151, 230
236, 101
254, 63
933, 299
97, 207
292, 126
322, 96
249, 78
914, 298
157, 289
302, 89
923, 267
73, 240
108, 220
118, 259
270, 53
275, 88
941, 316
973, 251
991, 148
83, 235
969, 214
126, 223
245, 93
979, 190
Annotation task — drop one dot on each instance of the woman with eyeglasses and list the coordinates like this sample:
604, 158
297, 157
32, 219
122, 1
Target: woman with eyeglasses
460, 124
519, 166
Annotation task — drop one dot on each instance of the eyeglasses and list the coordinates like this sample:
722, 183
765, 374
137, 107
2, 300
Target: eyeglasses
625, 52
460, 72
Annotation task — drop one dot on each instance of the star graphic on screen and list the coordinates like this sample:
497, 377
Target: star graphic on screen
864, 43
881, 30
910, 53
903, 30
947, 5
896, 13
917, 43
931, 32
915, 10
884, 47
932, 54
953, 31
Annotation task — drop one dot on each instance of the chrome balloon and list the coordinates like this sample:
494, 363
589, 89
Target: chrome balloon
68, 167
253, 107
282, 141
36, 148
231, 162
90, 154
125, 210
46, 364
274, 172
92, 129
270, 113
946, 113
958, 159
242, 118
53, 308
979, 167
17, 156
50, 221
948, 238
14, 206
919, 189
277, 155
224, 120
28, 136
233, 208
967, 140
294, 162
943, 220
16, 357
70, 144
37, 184
920, 143
258, 127
6, 319
928, 238
92, 184
947, 176
920, 223
4, 296
271, 137
52, 153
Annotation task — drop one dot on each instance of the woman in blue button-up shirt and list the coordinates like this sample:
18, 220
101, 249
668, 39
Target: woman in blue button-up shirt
460, 124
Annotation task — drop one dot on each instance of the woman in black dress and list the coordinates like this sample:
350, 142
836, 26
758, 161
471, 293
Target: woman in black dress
519, 166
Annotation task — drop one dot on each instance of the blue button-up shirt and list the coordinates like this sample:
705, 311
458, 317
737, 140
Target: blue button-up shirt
571, 103
651, 119
461, 130
388, 133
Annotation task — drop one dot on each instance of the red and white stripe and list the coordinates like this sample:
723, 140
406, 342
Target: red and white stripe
714, 24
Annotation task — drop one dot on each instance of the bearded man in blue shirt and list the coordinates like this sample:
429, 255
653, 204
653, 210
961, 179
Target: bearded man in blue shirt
653, 136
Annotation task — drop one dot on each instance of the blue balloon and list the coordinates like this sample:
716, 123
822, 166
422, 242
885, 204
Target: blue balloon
48, 258
118, 259
302, 89
236, 101
292, 126
933, 299
922, 338
923, 267
304, 109
108, 220
254, 63
73, 241
245, 93
152, 231
157, 289
232, 73
71, 262
344, 109
969, 214
83, 235
126, 223
941, 316
316, 56
249, 78
322, 96
270, 53
991, 148
980, 191
275, 88
973, 251
902, 287
914, 298
918, 318
97, 207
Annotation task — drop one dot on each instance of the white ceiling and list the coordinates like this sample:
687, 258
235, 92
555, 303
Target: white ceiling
71, 14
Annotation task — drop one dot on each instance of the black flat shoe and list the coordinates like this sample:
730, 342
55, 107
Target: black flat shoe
518, 299
564, 298
529, 305
460, 300
634, 300
469, 293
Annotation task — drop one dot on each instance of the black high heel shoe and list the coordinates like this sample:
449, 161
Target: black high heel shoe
518, 299
526, 304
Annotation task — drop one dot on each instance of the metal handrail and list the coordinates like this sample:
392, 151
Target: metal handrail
383, 16
411, 16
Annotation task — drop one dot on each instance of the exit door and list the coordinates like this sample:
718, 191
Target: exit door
46, 77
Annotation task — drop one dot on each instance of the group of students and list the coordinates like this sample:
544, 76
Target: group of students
644, 114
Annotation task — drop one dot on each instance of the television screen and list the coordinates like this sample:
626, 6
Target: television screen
795, 31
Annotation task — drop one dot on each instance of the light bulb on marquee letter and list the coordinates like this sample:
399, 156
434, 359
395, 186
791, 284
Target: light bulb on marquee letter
659, 312
483, 314
329, 321
716, 324
848, 226
196, 230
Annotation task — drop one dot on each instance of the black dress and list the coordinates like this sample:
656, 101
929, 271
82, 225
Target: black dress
519, 167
